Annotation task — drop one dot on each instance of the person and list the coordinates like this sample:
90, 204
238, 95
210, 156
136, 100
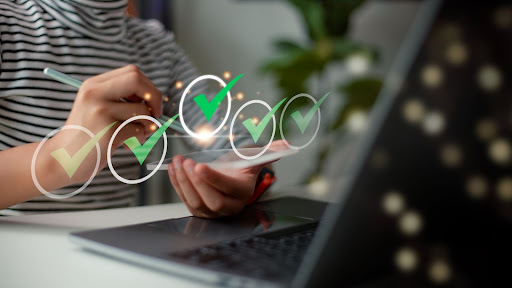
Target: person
119, 58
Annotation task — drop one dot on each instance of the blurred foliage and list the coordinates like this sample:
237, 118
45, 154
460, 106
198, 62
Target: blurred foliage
297, 64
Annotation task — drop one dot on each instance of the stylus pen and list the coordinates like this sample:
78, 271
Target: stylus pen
66, 79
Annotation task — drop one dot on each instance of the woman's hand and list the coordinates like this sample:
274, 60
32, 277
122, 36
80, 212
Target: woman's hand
209, 192
97, 105
114, 96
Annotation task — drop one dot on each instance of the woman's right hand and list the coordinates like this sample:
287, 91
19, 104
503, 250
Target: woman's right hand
100, 102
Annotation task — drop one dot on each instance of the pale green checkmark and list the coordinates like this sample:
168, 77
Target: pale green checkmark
303, 123
256, 130
209, 107
142, 151
70, 164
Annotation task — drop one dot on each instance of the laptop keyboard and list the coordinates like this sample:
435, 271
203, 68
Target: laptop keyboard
265, 257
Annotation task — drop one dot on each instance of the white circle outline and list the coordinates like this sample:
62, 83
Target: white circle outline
33, 163
203, 135
281, 122
233, 122
109, 150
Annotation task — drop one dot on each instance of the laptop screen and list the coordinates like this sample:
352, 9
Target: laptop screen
432, 202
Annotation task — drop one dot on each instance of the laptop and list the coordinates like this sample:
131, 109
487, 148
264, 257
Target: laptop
429, 199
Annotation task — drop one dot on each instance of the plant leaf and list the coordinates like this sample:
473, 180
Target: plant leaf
313, 15
288, 46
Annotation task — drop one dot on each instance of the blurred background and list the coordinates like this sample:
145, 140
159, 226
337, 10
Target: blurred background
285, 47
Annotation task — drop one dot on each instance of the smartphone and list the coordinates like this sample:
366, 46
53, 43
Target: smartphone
228, 159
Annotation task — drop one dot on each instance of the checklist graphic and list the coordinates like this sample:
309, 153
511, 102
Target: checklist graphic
254, 128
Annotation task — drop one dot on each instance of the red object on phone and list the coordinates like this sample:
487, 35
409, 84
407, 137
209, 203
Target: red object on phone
263, 185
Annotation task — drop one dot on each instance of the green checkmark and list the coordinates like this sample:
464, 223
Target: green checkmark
304, 122
256, 130
209, 107
71, 164
142, 151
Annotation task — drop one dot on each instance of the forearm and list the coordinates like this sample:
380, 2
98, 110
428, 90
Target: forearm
16, 180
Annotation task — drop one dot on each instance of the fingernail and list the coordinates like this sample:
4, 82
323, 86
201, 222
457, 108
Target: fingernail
171, 170
189, 167
177, 164
202, 172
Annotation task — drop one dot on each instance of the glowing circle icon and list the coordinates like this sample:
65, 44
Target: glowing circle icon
33, 164
281, 121
233, 122
185, 92
109, 158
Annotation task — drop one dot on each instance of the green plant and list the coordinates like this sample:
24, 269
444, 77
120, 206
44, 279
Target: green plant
326, 23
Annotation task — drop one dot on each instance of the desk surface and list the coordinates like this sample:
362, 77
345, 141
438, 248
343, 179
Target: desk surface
35, 250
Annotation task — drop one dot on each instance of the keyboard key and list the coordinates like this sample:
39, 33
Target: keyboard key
257, 256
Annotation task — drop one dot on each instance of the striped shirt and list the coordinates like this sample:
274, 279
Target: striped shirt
82, 38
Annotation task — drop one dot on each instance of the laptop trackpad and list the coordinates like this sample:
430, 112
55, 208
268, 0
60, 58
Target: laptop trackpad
250, 222
161, 237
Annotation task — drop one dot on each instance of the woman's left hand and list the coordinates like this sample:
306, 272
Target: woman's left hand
213, 193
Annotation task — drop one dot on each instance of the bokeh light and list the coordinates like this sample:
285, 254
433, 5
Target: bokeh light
439, 271
486, 129
477, 187
204, 139
406, 259
226, 75
153, 127
178, 84
500, 151
147, 96
393, 203
319, 186
166, 99
240, 96
432, 76
357, 64
451, 155
433, 123
357, 121
489, 78
240, 116
413, 111
504, 189
456, 53
255, 120
410, 223
503, 17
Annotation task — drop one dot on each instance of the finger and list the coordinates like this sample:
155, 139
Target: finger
215, 201
278, 145
222, 182
175, 184
194, 201
133, 99
129, 85
122, 71
113, 73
